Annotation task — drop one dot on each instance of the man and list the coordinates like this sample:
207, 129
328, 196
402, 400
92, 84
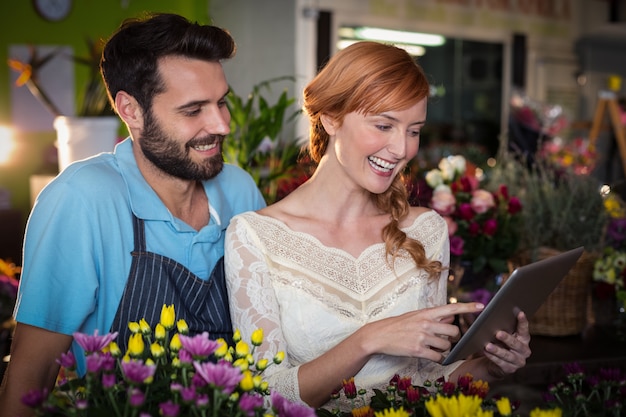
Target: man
116, 236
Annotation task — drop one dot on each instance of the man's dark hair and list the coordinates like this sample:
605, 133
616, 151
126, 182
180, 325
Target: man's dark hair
130, 57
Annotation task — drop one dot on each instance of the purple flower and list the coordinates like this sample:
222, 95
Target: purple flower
94, 343
188, 394
108, 380
221, 374
202, 400
96, 363
169, 409
136, 372
249, 402
284, 408
67, 360
199, 345
136, 397
35, 398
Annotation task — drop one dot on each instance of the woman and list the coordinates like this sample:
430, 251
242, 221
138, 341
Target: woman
343, 275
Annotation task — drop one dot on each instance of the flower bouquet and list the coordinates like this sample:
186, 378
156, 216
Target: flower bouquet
165, 372
576, 155
467, 398
484, 226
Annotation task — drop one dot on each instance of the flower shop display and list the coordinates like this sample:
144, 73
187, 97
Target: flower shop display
609, 272
484, 225
581, 393
9, 281
166, 372
576, 155
562, 210
467, 397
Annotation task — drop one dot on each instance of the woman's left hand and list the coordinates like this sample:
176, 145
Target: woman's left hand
511, 354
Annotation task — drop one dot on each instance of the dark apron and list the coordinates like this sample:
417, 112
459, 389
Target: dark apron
155, 280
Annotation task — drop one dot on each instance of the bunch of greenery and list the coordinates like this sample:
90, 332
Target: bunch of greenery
256, 141
562, 209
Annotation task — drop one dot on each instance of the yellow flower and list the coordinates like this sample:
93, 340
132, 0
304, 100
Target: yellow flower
135, 344
264, 386
133, 326
241, 349
168, 315
159, 332
257, 337
144, 327
258, 380
175, 344
537, 412
241, 363
222, 350
114, 349
364, 411
262, 364
279, 357
236, 336
157, 350
390, 412
247, 382
460, 405
504, 406
182, 327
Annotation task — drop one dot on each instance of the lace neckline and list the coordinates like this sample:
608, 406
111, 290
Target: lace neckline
315, 241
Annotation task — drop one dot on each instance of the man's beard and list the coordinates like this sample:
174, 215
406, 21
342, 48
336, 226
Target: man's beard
167, 155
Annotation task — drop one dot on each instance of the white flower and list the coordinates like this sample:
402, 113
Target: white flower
434, 178
459, 163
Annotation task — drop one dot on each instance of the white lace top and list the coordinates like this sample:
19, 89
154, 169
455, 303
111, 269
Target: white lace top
308, 297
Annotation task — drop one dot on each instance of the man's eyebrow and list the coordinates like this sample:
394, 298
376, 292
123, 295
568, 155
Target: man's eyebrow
197, 103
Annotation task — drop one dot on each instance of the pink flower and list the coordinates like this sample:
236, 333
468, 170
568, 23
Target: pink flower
452, 226
136, 372
249, 402
221, 374
285, 408
136, 397
482, 201
169, 409
199, 345
443, 201
456, 245
94, 343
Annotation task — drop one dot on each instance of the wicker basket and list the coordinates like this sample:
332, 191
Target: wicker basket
564, 312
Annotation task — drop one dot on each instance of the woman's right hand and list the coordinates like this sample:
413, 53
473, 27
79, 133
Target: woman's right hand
425, 333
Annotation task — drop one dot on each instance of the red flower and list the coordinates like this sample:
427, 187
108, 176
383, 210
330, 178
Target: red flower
466, 212
514, 206
490, 227
474, 229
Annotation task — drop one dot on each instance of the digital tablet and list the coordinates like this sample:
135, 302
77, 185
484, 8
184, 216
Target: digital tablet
525, 290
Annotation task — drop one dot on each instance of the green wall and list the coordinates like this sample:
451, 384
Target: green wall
89, 18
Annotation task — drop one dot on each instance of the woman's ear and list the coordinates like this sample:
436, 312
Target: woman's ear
330, 124
129, 110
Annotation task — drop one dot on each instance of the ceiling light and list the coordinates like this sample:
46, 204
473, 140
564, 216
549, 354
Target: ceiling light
398, 36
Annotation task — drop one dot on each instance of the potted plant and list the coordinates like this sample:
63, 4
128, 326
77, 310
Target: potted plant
562, 210
256, 140
94, 127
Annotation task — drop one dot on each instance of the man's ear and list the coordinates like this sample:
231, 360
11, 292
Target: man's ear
330, 124
129, 110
